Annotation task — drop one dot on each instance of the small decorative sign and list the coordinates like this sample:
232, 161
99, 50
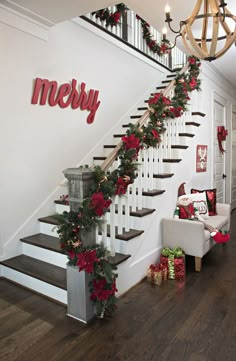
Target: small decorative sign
65, 95
201, 158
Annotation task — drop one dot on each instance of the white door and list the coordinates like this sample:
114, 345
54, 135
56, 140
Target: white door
219, 158
233, 179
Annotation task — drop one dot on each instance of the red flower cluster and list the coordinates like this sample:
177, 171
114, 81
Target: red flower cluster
131, 142
191, 60
157, 97
121, 186
176, 112
192, 83
100, 291
116, 17
99, 204
155, 134
86, 260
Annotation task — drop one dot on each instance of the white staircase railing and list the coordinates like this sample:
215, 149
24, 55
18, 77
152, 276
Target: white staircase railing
129, 29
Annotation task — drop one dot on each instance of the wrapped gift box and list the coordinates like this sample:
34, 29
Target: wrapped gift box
174, 260
154, 274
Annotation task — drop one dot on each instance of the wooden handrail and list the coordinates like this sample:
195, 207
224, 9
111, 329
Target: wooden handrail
113, 155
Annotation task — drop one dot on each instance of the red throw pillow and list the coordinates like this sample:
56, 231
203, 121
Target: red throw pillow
211, 199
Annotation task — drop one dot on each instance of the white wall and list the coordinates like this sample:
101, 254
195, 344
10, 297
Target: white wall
39, 142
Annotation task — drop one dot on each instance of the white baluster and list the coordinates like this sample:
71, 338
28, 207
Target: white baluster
112, 229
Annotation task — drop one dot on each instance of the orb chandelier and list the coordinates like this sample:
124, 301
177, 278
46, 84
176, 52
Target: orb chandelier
210, 30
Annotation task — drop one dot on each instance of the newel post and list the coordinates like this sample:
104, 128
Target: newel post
79, 304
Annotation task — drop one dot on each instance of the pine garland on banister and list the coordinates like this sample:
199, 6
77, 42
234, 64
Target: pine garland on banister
113, 19
94, 260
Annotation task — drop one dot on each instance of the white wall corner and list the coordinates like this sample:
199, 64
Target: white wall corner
24, 20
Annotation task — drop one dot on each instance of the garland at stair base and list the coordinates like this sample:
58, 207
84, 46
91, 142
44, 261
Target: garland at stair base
94, 260
113, 19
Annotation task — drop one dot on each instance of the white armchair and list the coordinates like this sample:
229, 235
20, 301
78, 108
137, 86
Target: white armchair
191, 235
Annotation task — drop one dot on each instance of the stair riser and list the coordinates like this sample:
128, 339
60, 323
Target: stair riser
34, 284
126, 247
60, 208
45, 255
49, 229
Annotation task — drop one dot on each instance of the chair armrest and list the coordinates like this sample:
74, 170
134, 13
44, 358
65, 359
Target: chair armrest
223, 209
189, 235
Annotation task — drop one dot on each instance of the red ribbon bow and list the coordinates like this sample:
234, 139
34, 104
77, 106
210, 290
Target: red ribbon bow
221, 135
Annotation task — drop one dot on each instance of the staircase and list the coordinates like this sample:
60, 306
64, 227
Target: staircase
127, 226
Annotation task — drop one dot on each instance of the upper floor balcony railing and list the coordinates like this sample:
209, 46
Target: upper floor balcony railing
129, 30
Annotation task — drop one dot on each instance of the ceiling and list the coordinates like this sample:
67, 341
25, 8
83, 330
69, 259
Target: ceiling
151, 10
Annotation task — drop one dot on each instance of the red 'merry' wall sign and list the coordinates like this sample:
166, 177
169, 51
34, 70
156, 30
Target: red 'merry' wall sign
65, 95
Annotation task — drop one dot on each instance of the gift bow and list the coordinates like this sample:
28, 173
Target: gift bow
176, 252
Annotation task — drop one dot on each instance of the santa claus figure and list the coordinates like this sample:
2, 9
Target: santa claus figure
185, 210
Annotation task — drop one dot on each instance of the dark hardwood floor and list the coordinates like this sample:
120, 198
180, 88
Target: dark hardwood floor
191, 321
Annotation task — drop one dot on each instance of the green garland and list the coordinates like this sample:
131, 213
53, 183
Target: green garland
95, 260
109, 17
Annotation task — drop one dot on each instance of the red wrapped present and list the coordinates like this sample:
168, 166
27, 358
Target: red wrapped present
174, 260
154, 274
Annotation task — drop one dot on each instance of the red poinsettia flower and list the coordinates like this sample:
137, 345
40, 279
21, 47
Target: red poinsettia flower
155, 98
177, 112
86, 260
164, 48
116, 16
99, 291
155, 134
121, 186
131, 142
192, 83
166, 101
99, 204
191, 60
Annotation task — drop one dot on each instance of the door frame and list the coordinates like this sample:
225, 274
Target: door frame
216, 97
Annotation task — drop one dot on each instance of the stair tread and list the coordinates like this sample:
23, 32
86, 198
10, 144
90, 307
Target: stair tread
99, 158
118, 258
195, 124
160, 87
171, 76
179, 146
119, 135
135, 116
126, 235
44, 241
171, 160
50, 220
166, 81
143, 108
199, 113
163, 175
43, 271
154, 192
186, 135
109, 146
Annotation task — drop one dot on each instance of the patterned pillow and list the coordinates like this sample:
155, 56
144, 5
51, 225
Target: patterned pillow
211, 199
200, 204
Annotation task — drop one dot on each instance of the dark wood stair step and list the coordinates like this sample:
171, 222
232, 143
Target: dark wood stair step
171, 76
135, 116
99, 158
171, 160
153, 193
40, 270
43, 241
163, 175
118, 258
138, 213
179, 147
126, 235
166, 81
186, 135
143, 108
50, 220
125, 126
119, 135
109, 146
160, 87
195, 124
199, 113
